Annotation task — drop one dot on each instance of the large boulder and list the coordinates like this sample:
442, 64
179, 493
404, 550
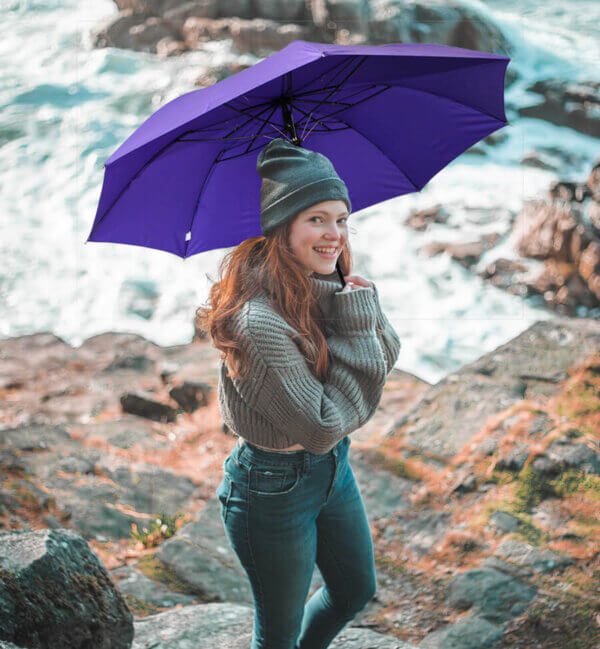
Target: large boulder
55, 592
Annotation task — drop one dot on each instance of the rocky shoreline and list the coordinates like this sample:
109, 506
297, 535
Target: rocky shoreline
482, 492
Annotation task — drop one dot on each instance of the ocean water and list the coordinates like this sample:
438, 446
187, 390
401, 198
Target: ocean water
65, 107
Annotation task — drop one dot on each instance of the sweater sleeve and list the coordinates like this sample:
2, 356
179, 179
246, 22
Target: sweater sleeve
284, 391
388, 338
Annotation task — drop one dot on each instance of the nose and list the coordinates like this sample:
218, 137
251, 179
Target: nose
334, 232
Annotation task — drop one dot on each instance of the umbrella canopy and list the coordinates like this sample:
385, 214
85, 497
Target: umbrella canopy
389, 117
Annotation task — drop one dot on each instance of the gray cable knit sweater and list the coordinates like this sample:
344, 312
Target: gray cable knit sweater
280, 402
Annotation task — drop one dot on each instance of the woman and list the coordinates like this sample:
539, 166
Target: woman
303, 365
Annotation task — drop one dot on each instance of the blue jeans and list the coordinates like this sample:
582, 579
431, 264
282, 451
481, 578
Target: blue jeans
284, 511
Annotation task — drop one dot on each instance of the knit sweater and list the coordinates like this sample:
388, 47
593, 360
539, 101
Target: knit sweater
280, 402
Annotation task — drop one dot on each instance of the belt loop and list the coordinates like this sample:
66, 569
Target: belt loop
240, 448
305, 463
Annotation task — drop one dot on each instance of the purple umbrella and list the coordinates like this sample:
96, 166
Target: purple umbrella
389, 117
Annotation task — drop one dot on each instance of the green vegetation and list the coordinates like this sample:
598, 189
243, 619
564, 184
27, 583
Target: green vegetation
161, 528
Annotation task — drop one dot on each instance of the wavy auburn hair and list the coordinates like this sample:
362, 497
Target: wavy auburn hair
267, 263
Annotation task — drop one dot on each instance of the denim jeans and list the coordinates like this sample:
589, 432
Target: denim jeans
282, 511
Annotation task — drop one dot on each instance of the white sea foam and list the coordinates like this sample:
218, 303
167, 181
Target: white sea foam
66, 107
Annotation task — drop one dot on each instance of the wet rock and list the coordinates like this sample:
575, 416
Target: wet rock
198, 9
55, 592
262, 37
434, 22
115, 31
466, 254
136, 404
525, 554
572, 104
496, 596
289, 11
420, 219
504, 272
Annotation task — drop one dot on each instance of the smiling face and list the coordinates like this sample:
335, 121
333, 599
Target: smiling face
322, 225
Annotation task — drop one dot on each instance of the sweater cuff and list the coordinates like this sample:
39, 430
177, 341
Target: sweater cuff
354, 310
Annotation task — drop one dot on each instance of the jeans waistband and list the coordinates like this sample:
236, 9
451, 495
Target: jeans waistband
287, 458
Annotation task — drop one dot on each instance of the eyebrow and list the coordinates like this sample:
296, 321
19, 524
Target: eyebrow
346, 213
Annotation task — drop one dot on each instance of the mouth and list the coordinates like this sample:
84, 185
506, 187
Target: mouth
327, 253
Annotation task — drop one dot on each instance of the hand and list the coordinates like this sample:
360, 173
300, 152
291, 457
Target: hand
355, 281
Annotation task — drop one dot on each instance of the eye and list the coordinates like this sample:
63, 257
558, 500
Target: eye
345, 218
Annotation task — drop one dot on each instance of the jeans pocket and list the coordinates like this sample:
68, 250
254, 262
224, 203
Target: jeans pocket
273, 481
223, 493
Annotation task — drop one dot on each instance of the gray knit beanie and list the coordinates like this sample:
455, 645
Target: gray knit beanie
294, 178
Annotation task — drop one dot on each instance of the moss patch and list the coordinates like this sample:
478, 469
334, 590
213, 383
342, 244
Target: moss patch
155, 569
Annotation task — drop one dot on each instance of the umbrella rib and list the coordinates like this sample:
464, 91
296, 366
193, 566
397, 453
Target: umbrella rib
255, 117
206, 176
412, 182
387, 87
249, 147
337, 87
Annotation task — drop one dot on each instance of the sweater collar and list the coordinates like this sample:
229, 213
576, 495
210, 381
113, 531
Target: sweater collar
324, 286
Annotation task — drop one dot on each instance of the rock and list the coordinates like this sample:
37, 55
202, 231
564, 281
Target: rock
545, 466
420, 219
466, 254
470, 632
496, 596
525, 554
504, 521
421, 530
465, 484
136, 404
236, 8
503, 273
452, 411
574, 455
135, 583
201, 555
572, 104
555, 232
515, 459
196, 31
137, 362
229, 626
288, 12
36, 437
168, 46
146, 36
191, 396
55, 592
198, 9
262, 37
114, 32
433, 22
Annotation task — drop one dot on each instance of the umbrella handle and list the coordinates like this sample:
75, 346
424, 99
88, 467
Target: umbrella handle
339, 270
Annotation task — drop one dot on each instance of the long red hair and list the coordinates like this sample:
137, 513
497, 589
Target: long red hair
267, 263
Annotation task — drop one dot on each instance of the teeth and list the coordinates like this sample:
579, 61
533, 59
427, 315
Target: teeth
326, 250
